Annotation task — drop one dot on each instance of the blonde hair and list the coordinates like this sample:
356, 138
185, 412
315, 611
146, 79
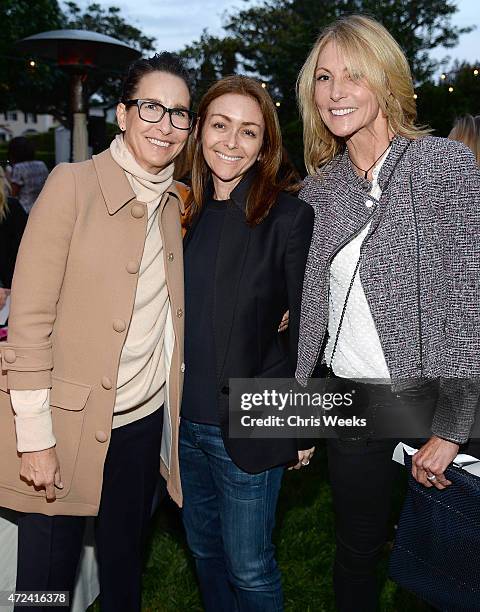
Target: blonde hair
467, 130
373, 55
3, 195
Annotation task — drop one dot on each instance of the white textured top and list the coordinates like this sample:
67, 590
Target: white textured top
359, 353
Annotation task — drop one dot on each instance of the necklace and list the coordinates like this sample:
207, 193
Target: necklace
370, 167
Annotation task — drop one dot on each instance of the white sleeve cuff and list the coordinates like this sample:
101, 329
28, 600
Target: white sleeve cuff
33, 420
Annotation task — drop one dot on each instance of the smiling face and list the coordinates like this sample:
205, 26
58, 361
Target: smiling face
232, 137
155, 145
347, 106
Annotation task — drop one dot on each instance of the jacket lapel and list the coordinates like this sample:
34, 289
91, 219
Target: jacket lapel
231, 256
114, 185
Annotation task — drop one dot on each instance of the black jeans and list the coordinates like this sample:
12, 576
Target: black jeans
362, 475
49, 547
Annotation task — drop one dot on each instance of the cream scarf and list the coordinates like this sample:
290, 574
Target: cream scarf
147, 187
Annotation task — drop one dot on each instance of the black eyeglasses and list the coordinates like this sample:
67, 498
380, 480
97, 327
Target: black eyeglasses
153, 112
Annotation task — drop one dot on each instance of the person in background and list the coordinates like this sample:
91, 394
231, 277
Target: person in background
26, 174
12, 223
466, 129
245, 251
392, 284
93, 367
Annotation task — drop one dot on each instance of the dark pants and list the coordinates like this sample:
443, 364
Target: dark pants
362, 475
229, 517
49, 547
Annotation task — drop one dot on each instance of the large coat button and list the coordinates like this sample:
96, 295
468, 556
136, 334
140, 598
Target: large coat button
137, 211
133, 267
106, 383
182, 368
9, 355
101, 436
170, 256
119, 325
179, 313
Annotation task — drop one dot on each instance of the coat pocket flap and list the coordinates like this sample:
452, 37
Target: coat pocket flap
68, 395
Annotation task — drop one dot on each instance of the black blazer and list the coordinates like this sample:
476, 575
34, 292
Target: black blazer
259, 275
11, 231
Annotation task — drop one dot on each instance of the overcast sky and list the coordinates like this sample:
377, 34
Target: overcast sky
175, 23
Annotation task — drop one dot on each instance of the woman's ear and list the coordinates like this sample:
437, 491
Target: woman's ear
122, 116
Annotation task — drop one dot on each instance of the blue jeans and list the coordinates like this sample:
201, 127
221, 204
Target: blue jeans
229, 517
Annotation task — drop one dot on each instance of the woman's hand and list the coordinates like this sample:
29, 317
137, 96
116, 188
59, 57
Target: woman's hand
304, 457
431, 461
42, 470
284, 322
4, 293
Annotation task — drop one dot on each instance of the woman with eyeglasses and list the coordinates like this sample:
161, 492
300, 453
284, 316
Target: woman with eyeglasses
245, 251
94, 362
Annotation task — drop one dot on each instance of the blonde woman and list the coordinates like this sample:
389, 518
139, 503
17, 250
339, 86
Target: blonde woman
12, 223
392, 280
466, 129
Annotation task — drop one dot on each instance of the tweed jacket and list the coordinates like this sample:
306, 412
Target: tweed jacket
72, 300
419, 267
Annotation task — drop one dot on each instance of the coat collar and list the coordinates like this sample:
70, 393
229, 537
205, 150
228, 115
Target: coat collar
115, 187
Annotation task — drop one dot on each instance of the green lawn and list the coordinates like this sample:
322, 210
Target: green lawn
304, 538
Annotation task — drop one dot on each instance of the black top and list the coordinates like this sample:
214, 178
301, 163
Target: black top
11, 231
258, 275
199, 401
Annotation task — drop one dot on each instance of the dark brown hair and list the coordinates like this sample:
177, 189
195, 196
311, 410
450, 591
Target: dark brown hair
267, 184
160, 62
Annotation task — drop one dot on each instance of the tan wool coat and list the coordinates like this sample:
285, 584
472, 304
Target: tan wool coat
72, 300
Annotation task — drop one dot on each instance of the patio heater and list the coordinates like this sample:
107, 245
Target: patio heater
78, 53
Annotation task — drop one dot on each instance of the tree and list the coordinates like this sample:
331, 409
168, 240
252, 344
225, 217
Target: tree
272, 41
439, 104
21, 86
44, 88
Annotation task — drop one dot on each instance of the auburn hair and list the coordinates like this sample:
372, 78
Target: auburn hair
267, 183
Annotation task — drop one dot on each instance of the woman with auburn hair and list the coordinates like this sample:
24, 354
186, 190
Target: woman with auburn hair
391, 288
466, 129
244, 252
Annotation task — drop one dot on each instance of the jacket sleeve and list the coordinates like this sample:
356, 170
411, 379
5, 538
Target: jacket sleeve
459, 209
37, 282
295, 260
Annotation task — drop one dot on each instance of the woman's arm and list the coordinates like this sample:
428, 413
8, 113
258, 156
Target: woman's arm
27, 358
41, 261
458, 205
295, 261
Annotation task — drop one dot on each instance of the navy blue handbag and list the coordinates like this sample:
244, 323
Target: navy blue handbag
437, 547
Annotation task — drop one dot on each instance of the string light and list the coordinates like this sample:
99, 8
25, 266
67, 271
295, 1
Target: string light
450, 89
415, 96
443, 76
264, 85
32, 63
475, 72
277, 103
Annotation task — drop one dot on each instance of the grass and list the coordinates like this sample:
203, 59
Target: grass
305, 546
